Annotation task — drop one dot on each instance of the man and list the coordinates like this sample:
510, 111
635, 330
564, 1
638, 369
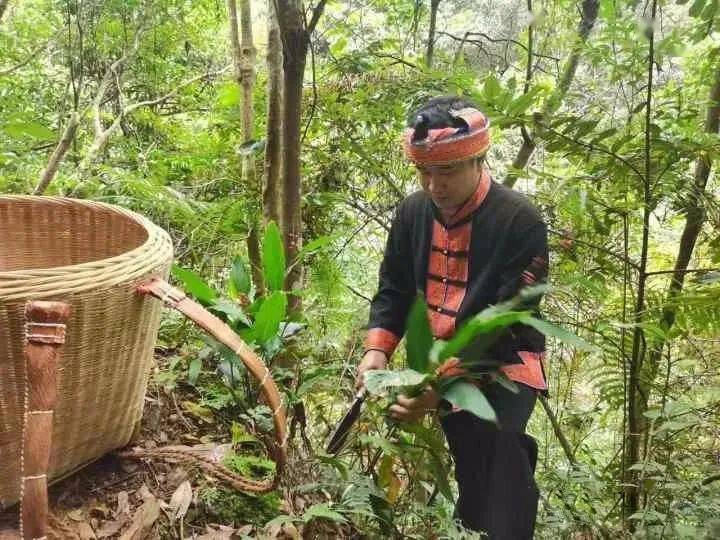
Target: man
467, 242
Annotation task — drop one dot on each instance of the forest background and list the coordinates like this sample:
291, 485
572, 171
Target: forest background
220, 119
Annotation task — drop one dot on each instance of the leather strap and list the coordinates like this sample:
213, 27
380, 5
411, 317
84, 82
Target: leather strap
177, 300
44, 337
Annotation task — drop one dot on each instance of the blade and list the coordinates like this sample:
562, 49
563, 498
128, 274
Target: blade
343, 428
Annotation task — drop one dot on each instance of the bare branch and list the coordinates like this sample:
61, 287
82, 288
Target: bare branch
30, 57
317, 13
102, 136
48, 173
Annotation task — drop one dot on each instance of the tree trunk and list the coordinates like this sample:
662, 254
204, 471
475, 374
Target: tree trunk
636, 424
694, 219
244, 54
589, 17
293, 71
429, 53
48, 173
273, 154
3, 7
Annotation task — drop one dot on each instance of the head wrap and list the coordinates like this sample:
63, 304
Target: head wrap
450, 144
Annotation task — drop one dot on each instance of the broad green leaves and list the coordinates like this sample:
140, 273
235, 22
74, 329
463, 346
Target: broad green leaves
28, 129
273, 258
239, 279
269, 317
195, 285
486, 324
470, 398
419, 338
380, 380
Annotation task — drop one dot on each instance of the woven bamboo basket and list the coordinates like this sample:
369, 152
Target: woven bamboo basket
91, 256
106, 263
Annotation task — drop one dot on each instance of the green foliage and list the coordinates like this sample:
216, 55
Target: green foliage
470, 398
177, 162
238, 508
419, 337
273, 258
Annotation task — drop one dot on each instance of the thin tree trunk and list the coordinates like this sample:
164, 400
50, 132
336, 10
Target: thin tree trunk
3, 7
50, 170
636, 424
430, 52
296, 42
694, 219
589, 17
273, 154
244, 54
292, 187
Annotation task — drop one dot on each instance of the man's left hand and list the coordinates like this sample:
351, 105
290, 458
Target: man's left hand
408, 409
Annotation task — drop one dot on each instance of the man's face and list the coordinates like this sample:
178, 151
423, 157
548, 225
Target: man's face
449, 186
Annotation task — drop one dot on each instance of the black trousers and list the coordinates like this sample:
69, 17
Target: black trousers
495, 466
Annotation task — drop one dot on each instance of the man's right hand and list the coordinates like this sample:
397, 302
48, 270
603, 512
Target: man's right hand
372, 359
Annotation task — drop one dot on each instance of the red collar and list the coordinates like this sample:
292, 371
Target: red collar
474, 202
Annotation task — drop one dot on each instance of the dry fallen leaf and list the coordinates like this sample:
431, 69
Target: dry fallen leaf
222, 532
143, 520
85, 531
123, 507
76, 515
245, 530
180, 501
111, 528
144, 493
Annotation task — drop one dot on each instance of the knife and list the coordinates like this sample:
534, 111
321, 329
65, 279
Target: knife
343, 429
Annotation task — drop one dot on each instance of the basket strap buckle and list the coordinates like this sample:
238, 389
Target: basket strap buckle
162, 290
38, 332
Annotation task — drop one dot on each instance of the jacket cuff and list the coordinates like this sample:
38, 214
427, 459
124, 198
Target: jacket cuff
381, 340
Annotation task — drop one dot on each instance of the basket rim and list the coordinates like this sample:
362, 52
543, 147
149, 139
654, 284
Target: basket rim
150, 228
153, 253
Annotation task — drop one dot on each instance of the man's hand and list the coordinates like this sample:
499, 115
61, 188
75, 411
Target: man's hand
373, 359
411, 409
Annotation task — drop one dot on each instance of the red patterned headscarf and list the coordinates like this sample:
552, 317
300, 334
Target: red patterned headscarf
450, 144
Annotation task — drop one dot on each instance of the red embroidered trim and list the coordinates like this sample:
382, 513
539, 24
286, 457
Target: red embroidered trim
530, 372
443, 146
384, 340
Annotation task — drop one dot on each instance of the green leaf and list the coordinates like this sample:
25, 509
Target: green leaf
32, 129
696, 8
194, 285
500, 378
375, 441
239, 278
240, 435
469, 398
322, 511
486, 322
419, 338
234, 312
519, 105
269, 317
492, 87
560, 333
378, 381
315, 245
273, 258
228, 95
338, 47
194, 370
441, 475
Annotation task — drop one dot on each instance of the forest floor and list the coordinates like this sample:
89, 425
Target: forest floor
132, 500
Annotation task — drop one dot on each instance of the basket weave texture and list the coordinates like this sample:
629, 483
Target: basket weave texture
92, 256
